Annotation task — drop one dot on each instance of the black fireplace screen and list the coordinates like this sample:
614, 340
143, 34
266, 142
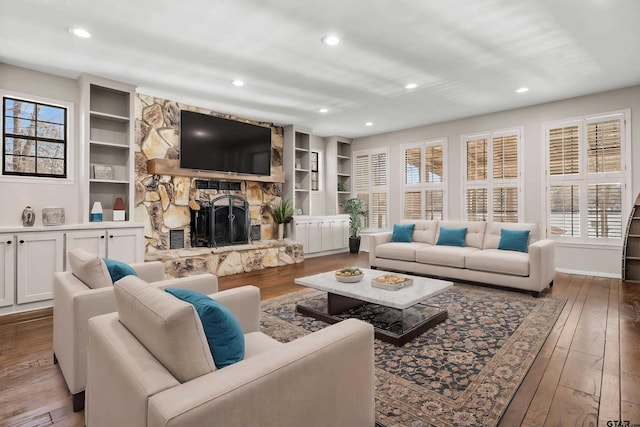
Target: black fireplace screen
223, 222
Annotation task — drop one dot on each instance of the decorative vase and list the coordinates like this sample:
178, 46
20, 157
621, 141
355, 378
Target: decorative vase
354, 244
96, 212
118, 210
280, 231
28, 217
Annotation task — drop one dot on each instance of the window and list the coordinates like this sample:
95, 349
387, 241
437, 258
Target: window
424, 180
587, 177
34, 138
372, 185
315, 165
493, 187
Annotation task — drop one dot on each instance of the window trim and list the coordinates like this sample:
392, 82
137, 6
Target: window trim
423, 185
70, 143
583, 179
371, 188
490, 183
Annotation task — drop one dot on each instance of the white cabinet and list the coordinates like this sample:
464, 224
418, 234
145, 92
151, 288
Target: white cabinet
38, 256
7, 269
124, 244
323, 233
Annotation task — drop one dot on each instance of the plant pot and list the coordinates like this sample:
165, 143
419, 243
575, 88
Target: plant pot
354, 244
280, 231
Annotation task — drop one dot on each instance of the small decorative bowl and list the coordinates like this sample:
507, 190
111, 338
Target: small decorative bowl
348, 278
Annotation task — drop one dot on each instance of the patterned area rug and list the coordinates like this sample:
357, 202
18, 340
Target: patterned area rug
462, 372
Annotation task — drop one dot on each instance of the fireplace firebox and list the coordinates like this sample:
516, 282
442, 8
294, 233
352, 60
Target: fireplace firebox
222, 222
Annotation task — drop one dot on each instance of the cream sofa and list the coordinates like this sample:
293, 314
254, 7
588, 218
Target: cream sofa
150, 365
75, 301
479, 260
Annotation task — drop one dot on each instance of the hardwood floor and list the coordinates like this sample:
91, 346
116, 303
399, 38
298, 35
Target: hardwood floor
587, 373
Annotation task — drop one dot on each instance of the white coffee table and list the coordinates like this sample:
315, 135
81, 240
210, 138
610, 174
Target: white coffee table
399, 323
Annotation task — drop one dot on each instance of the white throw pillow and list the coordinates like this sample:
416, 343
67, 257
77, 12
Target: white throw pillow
89, 268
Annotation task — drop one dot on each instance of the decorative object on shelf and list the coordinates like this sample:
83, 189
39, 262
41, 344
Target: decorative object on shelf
298, 165
53, 215
28, 217
118, 210
102, 171
282, 214
341, 187
355, 208
298, 211
96, 212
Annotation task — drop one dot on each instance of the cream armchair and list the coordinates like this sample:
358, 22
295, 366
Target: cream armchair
149, 365
74, 302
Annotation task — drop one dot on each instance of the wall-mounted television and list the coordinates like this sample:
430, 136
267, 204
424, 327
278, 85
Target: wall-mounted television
223, 145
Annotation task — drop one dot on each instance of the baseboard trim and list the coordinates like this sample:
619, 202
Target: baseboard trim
26, 316
590, 273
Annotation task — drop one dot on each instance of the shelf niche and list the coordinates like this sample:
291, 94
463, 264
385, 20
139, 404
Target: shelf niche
172, 167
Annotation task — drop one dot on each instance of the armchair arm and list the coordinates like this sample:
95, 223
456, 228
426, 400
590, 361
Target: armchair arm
375, 240
542, 262
244, 304
203, 283
152, 271
323, 379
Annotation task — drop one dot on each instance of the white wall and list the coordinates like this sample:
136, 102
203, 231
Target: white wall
589, 260
15, 194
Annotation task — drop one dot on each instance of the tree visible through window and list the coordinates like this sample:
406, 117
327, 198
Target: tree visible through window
34, 139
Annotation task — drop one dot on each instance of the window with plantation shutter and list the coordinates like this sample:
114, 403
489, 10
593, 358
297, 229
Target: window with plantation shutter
492, 179
371, 172
424, 180
587, 179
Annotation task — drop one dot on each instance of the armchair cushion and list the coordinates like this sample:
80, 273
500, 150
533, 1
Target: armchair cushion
168, 328
223, 332
89, 268
118, 269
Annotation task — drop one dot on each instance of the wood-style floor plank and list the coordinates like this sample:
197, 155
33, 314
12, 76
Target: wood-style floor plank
592, 351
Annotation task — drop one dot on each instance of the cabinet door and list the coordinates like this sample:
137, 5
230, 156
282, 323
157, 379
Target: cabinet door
7, 269
125, 244
300, 229
93, 241
315, 237
326, 226
39, 256
340, 233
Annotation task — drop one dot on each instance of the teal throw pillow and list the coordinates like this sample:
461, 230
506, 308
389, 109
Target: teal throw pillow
118, 269
514, 240
224, 333
451, 236
402, 232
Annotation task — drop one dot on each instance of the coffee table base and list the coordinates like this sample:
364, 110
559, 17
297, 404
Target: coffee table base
337, 308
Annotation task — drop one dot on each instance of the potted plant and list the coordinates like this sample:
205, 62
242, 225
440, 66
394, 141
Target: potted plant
355, 208
282, 213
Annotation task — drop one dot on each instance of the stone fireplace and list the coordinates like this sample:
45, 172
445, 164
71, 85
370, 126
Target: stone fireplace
222, 222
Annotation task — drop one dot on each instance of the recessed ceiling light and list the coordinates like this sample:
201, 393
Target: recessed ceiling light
410, 86
238, 83
523, 90
79, 32
330, 40
369, 124
323, 110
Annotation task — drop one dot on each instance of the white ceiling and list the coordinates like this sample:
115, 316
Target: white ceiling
467, 56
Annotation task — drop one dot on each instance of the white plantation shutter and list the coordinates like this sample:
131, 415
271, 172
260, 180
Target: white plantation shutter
505, 204
505, 157
476, 201
424, 180
477, 160
378, 211
587, 202
371, 183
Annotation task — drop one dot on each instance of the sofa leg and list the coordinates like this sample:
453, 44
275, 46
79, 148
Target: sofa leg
373, 267
55, 359
78, 401
551, 284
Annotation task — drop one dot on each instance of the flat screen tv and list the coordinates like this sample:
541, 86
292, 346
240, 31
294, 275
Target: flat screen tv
217, 144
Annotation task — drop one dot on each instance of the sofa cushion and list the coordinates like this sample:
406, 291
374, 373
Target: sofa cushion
118, 269
494, 231
451, 236
514, 240
402, 232
475, 231
424, 231
223, 332
399, 251
89, 268
499, 261
449, 256
169, 329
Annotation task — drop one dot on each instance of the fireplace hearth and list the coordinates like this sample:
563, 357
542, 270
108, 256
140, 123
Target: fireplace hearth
222, 222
